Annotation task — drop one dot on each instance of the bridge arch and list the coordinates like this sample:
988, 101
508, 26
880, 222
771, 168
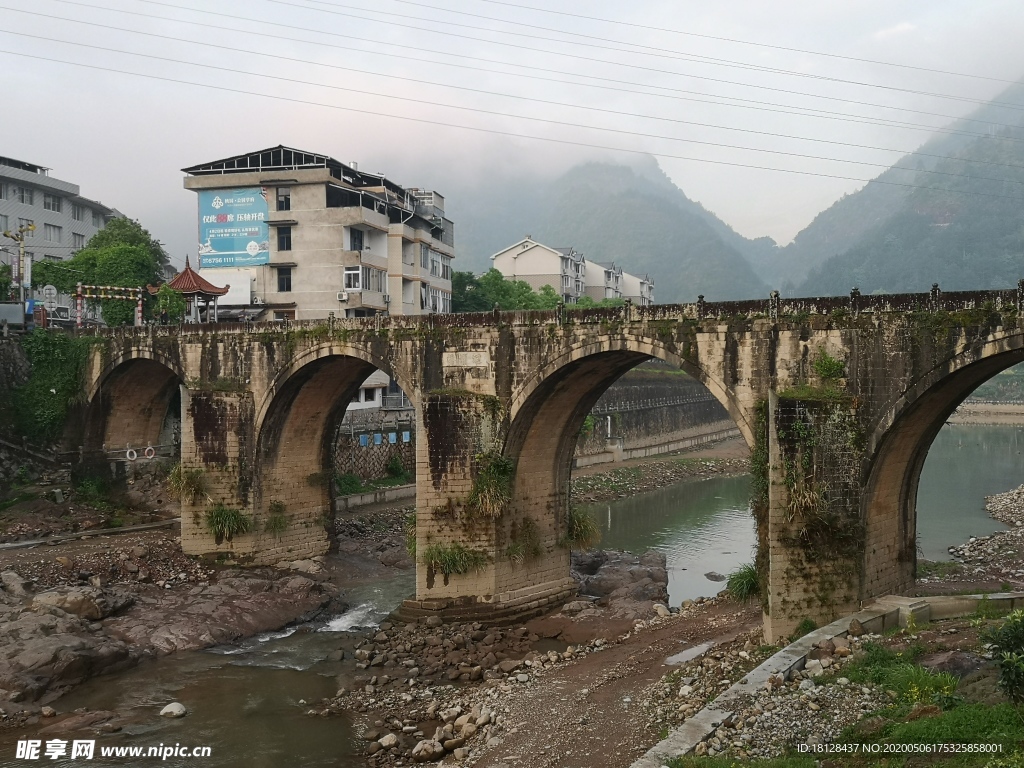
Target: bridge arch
128, 404
646, 348
295, 424
898, 445
545, 416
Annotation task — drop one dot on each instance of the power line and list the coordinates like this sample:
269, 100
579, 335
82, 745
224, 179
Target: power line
751, 43
476, 109
773, 107
334, 4
825, 115
477, 129
644, 48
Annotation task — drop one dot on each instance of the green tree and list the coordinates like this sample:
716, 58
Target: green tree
122, 254
170, 301
125, 231
467, 295
6, 282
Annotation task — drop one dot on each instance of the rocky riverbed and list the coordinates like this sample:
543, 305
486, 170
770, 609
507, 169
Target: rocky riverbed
651, 475
992, 562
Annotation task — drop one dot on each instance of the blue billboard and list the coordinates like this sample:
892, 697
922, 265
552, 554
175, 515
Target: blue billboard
233, 229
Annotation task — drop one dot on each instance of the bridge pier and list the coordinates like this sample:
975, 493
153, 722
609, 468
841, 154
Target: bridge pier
815, 530
218, 446
479, 553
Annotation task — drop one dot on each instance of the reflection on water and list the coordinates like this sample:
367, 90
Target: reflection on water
701, 526
965, 464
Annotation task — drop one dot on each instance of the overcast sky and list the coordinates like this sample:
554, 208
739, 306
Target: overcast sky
124, 138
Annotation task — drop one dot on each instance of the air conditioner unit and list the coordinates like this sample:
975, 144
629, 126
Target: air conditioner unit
387, 298
257, 300
342, 295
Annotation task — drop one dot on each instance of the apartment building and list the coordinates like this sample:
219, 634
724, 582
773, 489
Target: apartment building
639, 290
603, 281
300, 235
564, 269
570, 274
63, 219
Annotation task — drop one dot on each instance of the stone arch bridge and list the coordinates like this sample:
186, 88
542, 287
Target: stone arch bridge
838, 398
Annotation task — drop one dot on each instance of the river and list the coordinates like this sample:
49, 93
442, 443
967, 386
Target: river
706, 526
244, 700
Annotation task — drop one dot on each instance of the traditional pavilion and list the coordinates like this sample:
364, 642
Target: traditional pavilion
194, 288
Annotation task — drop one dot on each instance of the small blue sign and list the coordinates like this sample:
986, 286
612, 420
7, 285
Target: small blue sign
392, 438
378, 439
405, 437
364, 440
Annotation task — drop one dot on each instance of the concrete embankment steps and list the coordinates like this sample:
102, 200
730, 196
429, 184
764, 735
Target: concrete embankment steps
879, 616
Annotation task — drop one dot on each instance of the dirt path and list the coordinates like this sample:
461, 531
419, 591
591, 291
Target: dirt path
733, 448
596, 712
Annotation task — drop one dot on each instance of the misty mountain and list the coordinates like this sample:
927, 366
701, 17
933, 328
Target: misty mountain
887, 237
634, 216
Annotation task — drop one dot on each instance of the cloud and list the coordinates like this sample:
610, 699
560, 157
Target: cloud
899, 29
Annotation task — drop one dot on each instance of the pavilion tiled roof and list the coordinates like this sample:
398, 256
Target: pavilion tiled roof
188, 281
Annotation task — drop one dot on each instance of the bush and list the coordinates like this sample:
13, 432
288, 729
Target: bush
348, 484
914, 683
188, 484
525, 543
453, 558
395, 467
828, 368
1008, 650
743, 583
804, 627
581, 530
277, 521
492, 488
225, 523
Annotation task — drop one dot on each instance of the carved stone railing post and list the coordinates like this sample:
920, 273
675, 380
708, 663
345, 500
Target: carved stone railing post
774, 304
702, 306
935, 298
855, 301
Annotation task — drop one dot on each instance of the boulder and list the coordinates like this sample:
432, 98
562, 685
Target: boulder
90, 603
14, 584
957, 663
174, 709
427, 750
388, 740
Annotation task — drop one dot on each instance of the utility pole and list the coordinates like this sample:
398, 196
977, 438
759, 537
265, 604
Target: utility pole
19, 270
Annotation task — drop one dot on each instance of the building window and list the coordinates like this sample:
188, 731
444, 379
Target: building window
355, 239
284, 238
25, 195
284, 279
97, 219
4, 194
77, 240
52, 233
24, 224
284, 199
352, 278
3, 223
369, 395
77, 212
287, 314
424, 256
52, 203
